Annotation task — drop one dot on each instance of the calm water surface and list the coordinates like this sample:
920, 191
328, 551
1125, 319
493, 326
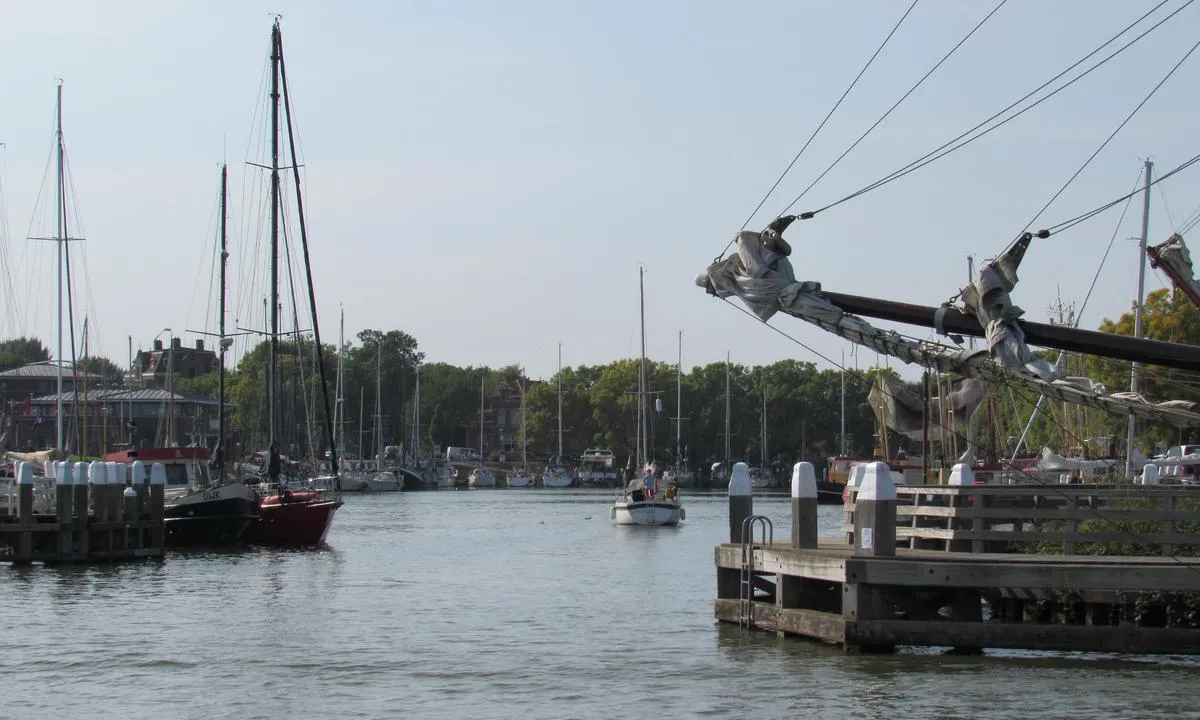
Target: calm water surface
494, 604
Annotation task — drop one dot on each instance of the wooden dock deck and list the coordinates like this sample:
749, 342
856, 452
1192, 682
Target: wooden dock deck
974, 567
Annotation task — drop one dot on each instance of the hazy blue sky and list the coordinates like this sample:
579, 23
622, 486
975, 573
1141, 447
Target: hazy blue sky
488, 175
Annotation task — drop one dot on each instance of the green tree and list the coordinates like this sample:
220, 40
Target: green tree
16, 352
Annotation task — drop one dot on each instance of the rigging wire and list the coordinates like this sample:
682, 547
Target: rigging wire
828, 115
1072, 222
951, 146
1107, 140
895, 105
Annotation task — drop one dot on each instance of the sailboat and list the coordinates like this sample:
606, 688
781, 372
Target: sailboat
558, 472
760, 475
637, 503
679, 473
289, 515
202, 508
352, 479
380, 480
481, 477
520, 477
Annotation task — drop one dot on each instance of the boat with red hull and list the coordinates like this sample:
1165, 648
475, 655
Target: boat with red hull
294, 517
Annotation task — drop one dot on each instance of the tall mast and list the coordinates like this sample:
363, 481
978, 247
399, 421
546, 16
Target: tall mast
273, 356
842, 444
339, 409
61, 236
560, 402
763, 452
727, 410
481, 383
416, 428
679, 407
644, 450
1135, 370
524, 455
379, 401
221, 333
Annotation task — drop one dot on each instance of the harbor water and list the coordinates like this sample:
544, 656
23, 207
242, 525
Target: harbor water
495, 604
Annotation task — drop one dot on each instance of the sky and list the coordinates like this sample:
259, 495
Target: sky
489, 176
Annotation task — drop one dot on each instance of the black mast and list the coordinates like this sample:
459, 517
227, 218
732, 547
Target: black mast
273, 357
312, 296
219, 460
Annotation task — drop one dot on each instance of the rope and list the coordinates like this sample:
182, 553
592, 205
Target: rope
825, 120
903, 97
950, 145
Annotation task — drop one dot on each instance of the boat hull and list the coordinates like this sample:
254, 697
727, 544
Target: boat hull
383, 482
519, 481
557, 481
215, 516
293, 518
647, 512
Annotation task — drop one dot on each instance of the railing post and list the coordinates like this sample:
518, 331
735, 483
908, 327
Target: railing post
64, 491
741, 501
158, 488
804, 506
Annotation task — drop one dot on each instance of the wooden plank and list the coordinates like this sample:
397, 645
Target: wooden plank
1057, 575
14, 528
1085, 638
811, 564
808, 623
1036, 514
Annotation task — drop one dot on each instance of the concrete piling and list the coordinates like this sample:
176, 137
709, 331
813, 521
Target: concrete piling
875, 512
804, 506
741, 500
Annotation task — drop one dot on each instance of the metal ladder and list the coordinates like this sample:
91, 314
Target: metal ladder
767, 537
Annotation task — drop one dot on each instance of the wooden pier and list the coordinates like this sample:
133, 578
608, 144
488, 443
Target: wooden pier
974, 566
89, 512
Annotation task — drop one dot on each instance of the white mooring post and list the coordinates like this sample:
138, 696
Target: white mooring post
804, 506
875, 512
741, 501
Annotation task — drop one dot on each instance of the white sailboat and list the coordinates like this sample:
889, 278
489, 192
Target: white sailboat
350, 477
638, 503
557, 473
380, 480
481, 477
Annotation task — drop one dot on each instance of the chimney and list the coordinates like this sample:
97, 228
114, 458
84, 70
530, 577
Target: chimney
176, 343
199, 344
158, 344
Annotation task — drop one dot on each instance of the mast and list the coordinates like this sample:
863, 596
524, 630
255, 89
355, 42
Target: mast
273, 354
763, 452
339, 409
221, 345
1135, 370
524, 454
560, 402
416, 428
727, 467
481, 384
379, 403
643, 445
61, 237
679, 407
842, 443
312, 293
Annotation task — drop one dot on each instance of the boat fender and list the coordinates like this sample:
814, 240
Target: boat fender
612, 513
682, 513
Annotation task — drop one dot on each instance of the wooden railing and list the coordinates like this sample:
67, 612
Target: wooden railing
1060, 519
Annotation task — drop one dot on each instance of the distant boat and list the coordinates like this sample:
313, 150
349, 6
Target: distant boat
519, 478
641, 503
598, 468
557, 473
481, 477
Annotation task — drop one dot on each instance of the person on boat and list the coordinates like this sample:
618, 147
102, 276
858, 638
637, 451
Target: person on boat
637, 489
671, 491
650, 482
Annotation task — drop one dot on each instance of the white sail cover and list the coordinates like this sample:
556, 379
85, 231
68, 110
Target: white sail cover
1174, 255
761, 275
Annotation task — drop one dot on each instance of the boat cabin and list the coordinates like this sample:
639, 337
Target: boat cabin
186, 466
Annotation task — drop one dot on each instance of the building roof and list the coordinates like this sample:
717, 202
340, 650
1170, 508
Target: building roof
48, 369
119, 395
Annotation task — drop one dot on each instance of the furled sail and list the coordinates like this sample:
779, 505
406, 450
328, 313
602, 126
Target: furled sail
901, 408
760, 274
1174, 259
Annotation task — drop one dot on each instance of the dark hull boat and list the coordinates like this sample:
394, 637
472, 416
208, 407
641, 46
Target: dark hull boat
212, 517
197, 513
294, 518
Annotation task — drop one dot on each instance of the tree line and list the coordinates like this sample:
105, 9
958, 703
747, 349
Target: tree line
803, 405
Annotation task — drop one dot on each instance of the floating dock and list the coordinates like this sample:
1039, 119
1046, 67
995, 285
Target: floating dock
971, 567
